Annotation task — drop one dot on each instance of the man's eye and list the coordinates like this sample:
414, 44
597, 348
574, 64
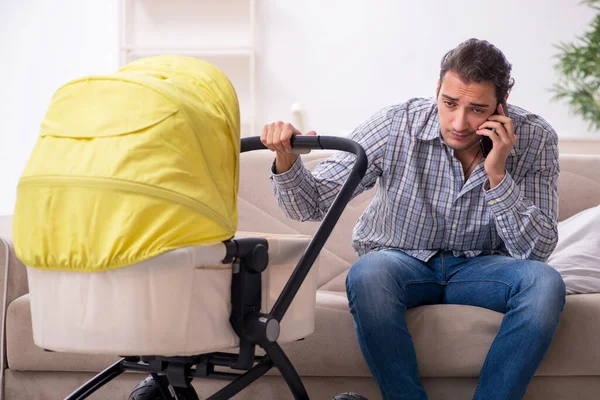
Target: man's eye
449, 104
478, 111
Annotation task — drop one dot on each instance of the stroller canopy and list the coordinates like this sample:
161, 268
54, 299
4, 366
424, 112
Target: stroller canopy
131, 165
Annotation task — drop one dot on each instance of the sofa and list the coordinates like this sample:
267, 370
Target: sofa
451, 340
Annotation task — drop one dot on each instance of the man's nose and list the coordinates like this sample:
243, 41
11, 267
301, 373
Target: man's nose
460, 121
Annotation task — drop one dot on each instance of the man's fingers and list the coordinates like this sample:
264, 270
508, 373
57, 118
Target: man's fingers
288, 132
502, 120
501, 110
270, 132
276, 136
263, 135
496, 126
489, 133
504, 129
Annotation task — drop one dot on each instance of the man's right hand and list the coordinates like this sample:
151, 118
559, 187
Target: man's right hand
276, 137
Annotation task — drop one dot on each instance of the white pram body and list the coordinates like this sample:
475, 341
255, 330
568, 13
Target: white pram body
174, 304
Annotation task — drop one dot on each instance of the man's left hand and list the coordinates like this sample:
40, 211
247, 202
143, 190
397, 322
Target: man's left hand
503, 139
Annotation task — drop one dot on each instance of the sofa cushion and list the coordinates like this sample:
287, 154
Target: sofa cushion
578, 184
451, 341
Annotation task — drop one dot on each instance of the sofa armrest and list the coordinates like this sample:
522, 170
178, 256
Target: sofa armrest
17, 274
13, 284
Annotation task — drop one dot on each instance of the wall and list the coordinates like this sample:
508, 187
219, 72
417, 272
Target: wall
344, 60
44, 44
341, 60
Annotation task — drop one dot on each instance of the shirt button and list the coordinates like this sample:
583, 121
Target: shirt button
454, 227
492, 202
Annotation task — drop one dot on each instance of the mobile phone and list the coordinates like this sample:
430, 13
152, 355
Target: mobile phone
486, 143
486, 146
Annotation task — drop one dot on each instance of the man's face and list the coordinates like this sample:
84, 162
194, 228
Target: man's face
462, 108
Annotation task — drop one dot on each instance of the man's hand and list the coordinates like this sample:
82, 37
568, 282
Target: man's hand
276, 137
504, 139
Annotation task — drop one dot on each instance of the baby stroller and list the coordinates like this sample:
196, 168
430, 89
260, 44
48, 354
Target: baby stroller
128, 255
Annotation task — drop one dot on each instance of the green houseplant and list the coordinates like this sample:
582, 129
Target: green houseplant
578, 66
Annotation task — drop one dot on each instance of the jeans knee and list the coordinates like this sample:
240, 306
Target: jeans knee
547, 281
555, 283
372, 274
557, 290
365, 272
539, 275
547, 293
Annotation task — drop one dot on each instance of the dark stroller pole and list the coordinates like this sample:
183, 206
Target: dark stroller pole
170, 377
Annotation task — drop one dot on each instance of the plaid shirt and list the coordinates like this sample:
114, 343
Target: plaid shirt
423, 204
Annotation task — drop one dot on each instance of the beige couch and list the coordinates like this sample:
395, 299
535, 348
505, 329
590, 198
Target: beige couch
451, 340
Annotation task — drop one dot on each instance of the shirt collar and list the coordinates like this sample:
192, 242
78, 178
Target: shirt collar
431, 130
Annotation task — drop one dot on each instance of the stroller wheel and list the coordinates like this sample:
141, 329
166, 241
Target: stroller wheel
349, 396
148, 389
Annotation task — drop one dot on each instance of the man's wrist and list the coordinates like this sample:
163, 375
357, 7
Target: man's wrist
495, 179
291, 178
503, 197
284, 163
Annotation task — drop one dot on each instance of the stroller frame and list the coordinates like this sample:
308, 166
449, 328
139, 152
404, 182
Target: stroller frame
173, 375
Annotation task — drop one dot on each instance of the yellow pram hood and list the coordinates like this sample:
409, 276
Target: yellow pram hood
131, 165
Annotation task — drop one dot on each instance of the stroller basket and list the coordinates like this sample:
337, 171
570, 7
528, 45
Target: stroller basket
251, 315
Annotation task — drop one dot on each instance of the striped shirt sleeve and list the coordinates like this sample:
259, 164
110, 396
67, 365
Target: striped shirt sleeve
526, 214
307, 196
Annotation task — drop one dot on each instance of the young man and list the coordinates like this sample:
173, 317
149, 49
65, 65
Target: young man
447, 225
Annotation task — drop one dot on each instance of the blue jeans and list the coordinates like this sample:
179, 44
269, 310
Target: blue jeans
382, 285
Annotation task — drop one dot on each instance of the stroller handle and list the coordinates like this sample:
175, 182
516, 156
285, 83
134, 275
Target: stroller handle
331, 217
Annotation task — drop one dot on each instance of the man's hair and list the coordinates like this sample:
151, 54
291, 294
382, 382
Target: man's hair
479, 61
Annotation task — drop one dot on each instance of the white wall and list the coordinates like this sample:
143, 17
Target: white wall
44, 44
342, 60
